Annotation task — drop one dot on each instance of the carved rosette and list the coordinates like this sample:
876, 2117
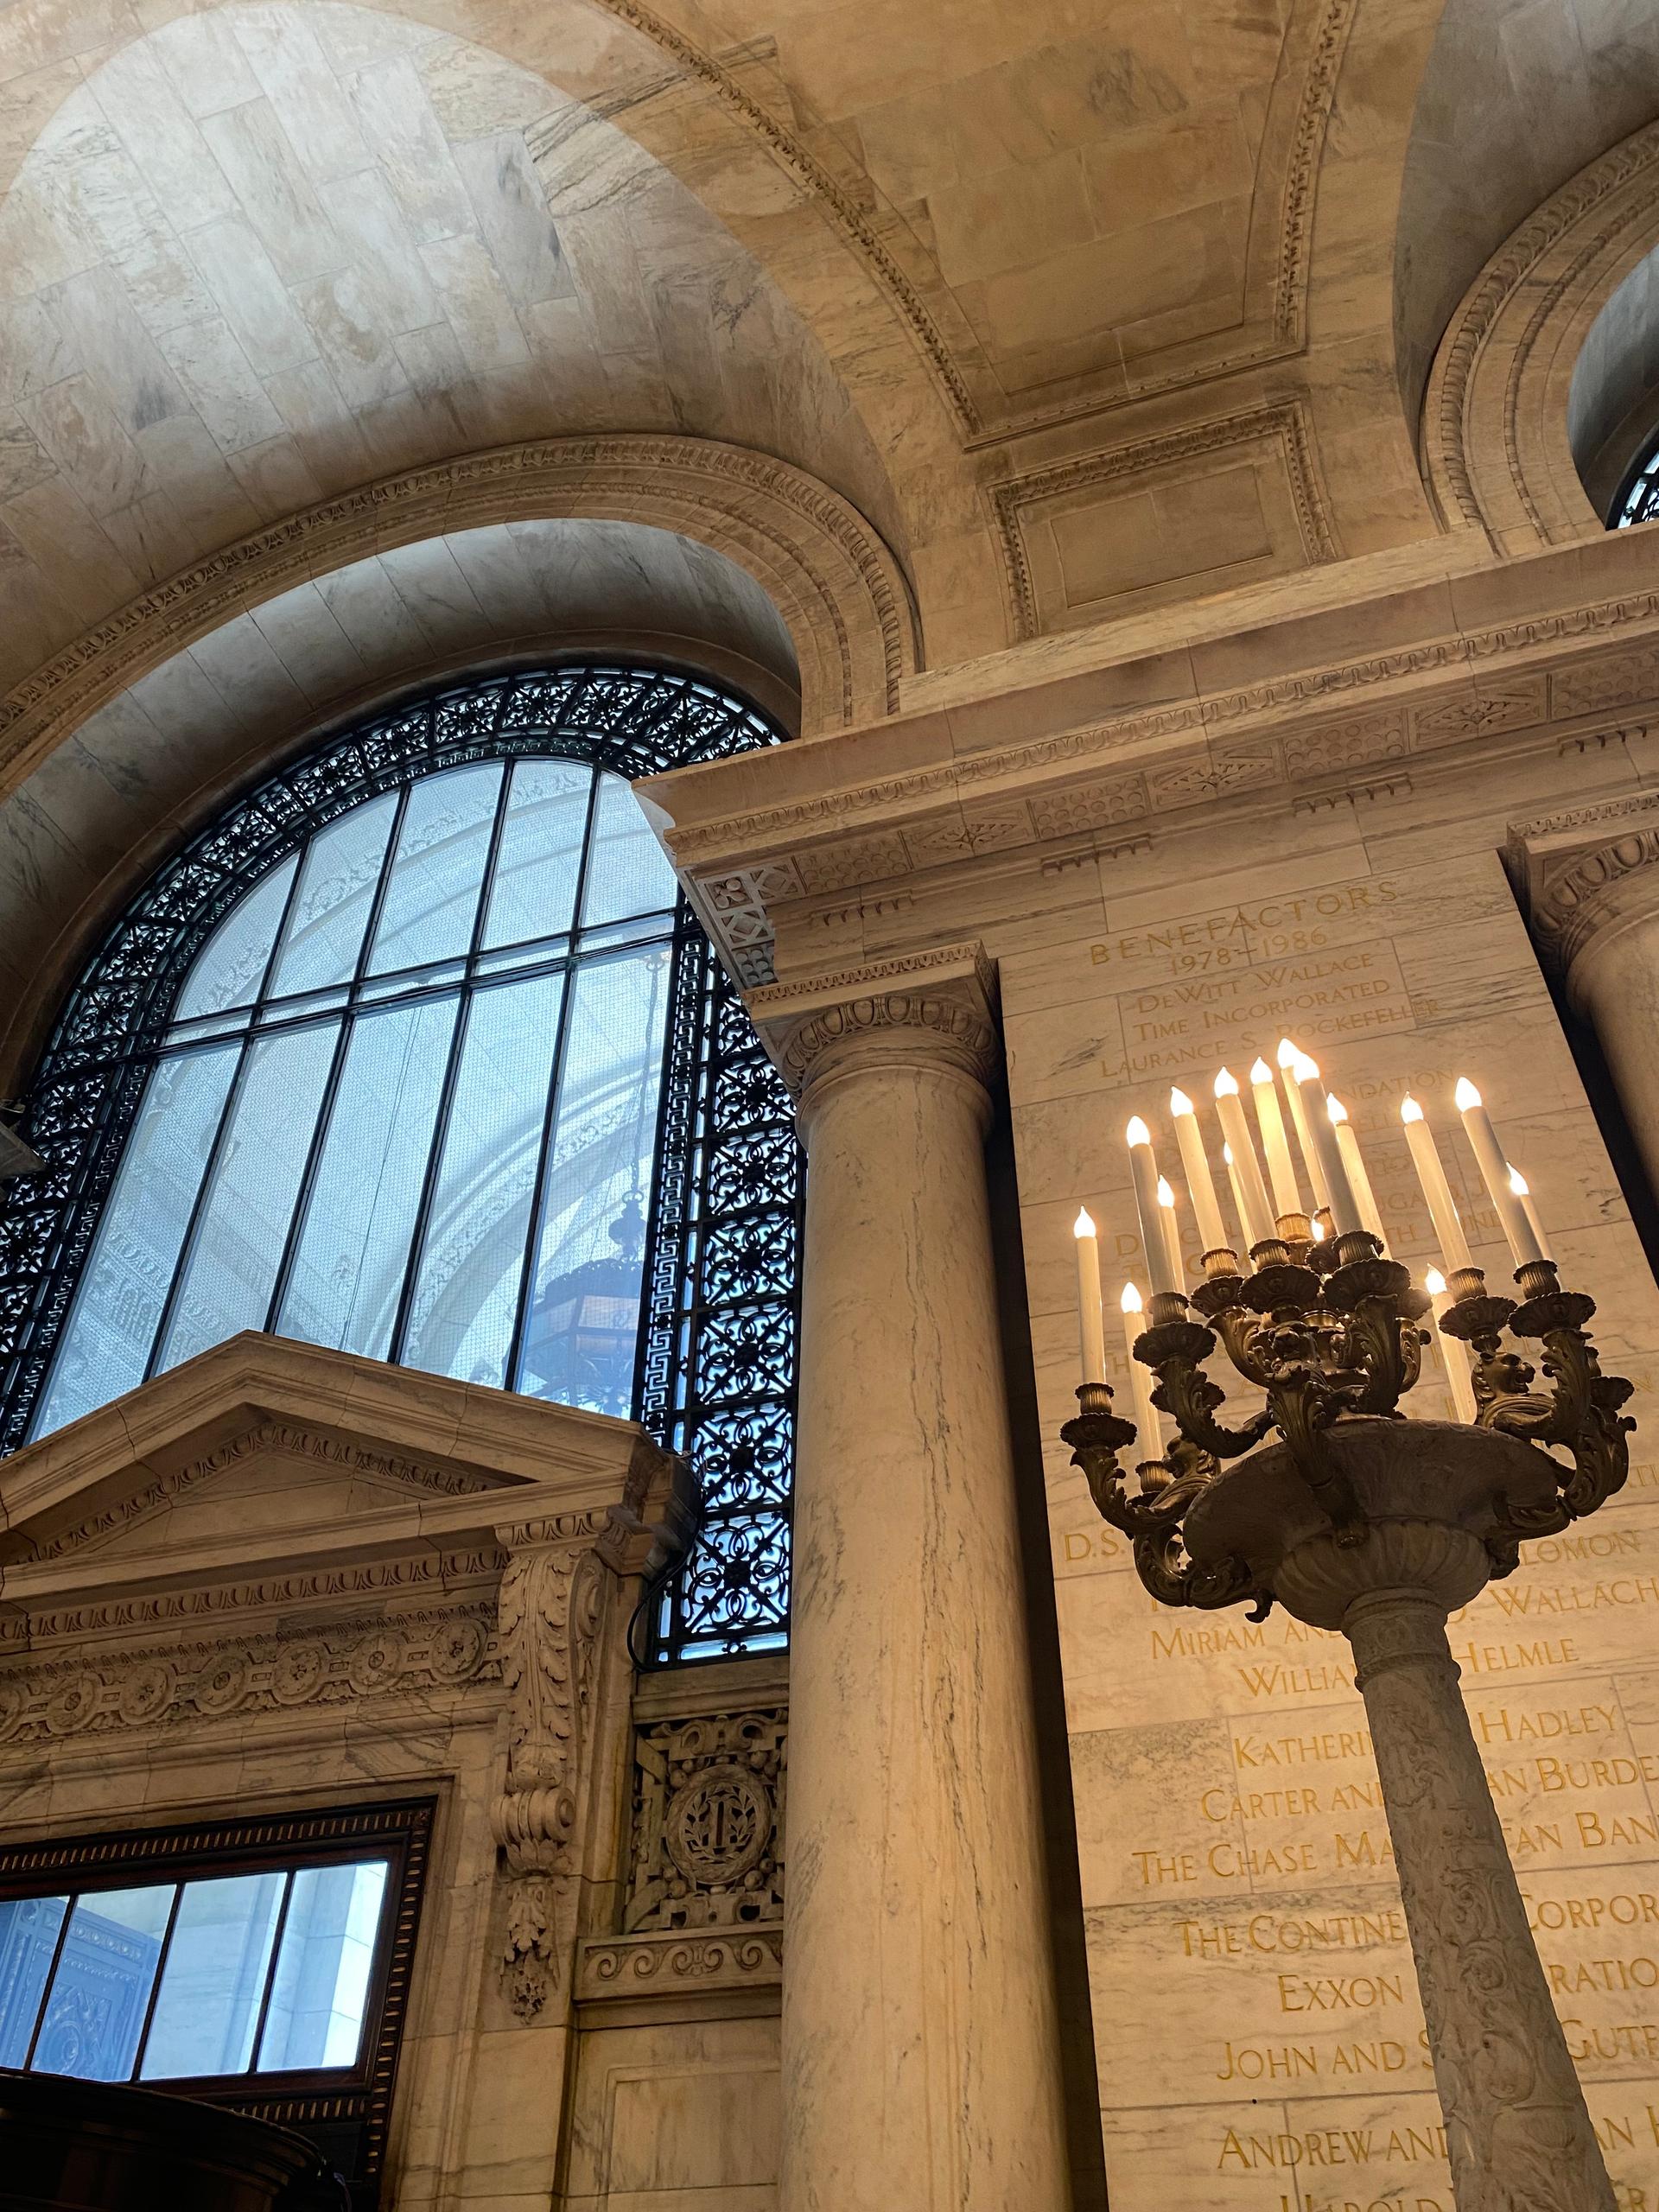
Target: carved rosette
555, 1593
942, 1004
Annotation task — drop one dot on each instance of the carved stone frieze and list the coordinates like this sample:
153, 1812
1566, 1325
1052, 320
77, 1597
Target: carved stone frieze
943, 999
166, 1685
707, 1849
668, 1964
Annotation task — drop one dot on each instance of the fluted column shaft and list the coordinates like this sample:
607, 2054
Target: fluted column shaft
920, 2061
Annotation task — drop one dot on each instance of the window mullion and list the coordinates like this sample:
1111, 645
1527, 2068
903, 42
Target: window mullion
51, 1976
198, 1207
258, 2036
451, 1075
556, 1083
134, 2072
336, 1068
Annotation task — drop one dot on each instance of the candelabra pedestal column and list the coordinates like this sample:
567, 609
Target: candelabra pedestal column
920, 2045
1518, 2133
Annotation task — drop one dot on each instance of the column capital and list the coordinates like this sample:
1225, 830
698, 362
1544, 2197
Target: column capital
1587, 873
942, 1002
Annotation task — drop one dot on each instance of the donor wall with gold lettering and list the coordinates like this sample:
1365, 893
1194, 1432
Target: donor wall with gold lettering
1260, 2036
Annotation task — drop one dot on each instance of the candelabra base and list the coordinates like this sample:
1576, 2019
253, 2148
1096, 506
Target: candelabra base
1431, 1495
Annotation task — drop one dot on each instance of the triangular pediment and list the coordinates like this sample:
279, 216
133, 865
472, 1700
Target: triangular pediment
255, 1442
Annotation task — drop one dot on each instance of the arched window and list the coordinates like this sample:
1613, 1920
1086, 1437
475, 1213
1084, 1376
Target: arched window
1639, 496
418, 1053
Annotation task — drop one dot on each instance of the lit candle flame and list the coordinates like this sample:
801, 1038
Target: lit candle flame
1138, 1133
1260, 1072
1465, 1094
1335, 1108
1304, 1069
1288, 1053
1227, 1153
1083, 1225
1166, 1195
1519, 1184
1318, 1232
1179, 1102
1131, 1301
1226, 1084
1409, 1109
1435, 1283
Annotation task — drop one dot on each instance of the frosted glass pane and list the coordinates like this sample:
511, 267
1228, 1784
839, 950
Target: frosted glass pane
437, 869
583, 1317
208, 2007
106, 1344
626, 872
230, 966
29, 1935
534, 891
99, 1994
354, 1248
331, 908
321, 1991
473, 1258
231, 1269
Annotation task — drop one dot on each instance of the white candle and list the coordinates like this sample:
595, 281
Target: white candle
1144, 1168
1522, 1189
1454, 1354
1494, 1174
1249, 1191
1195, 1166
1352, 1159
1092, 1320
1286, 1199
1426, 1159
1172, 1229
1290, 1058
1340, 1201
1149, 1442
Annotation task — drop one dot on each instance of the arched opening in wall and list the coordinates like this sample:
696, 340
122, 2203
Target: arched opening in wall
418, 1053
1614, 402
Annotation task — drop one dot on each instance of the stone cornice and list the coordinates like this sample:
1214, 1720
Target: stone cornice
943, 999
1581, 671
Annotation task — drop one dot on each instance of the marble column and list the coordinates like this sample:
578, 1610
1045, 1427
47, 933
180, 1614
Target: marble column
1595, 912
920, 2053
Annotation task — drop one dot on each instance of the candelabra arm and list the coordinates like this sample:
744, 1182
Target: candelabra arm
1187, 1394
1153, 1520
1301, 1406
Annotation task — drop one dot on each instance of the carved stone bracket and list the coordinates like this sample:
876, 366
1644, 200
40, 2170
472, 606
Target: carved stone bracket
942, 1001
555, 1594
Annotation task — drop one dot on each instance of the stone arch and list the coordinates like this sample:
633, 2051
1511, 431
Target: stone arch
1513, 103
1519, 394
837, 588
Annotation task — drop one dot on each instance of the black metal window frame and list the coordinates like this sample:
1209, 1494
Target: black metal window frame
720, 1311
347, 2110
1638, 495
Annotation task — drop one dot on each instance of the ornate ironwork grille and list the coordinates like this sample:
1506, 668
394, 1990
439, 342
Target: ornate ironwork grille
1638, 500
298, 1040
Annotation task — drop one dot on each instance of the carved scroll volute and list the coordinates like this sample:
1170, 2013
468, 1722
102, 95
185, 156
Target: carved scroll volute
555, 1596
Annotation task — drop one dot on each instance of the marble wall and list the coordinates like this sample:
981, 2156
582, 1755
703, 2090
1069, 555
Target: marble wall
1259, 2033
